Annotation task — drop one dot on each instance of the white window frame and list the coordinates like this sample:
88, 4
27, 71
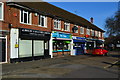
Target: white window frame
67, 25
2, 11
45, 21
96, 33
77, 27
88, 31
81, 30
59, 24
99, 34
30, 17
93, 33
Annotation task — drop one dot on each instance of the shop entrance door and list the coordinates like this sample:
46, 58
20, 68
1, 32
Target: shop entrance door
46, 43
2, 49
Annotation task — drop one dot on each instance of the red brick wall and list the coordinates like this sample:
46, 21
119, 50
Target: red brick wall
15, 20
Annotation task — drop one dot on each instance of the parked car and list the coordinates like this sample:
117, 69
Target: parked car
100, 51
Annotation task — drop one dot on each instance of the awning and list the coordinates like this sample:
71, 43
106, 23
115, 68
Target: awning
63, 39
5, 31
99, 41
75, 40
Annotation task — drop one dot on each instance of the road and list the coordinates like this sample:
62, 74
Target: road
82, 66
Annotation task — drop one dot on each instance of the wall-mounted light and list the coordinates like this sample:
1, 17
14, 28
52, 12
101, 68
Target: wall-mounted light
9, 25
36, 14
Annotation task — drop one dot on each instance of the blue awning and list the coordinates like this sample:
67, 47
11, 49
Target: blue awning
75, 40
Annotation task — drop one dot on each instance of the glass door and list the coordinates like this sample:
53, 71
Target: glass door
2, 50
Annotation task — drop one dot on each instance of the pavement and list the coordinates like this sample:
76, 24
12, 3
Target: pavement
82, 66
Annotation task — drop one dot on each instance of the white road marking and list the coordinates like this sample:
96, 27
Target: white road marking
111, 64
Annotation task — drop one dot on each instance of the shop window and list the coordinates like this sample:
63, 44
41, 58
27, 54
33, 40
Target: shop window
54, 46
1, 11
38, 48
67, 26
57, 24
42, 21
25, 48
61, 45
25, 17
81, 30
88, 31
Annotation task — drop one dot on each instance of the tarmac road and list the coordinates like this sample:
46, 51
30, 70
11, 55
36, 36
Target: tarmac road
82, 66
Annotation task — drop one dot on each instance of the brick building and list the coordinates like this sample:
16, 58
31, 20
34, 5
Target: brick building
30, 31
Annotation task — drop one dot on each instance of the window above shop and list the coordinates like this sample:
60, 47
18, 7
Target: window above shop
25, 17
75, 29
57, 24
93, 33
81, 30
99, 34
96, 33
102, 34
1, 10
67, 26
42, 21
88, 31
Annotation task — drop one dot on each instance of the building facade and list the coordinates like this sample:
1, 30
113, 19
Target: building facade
28, 32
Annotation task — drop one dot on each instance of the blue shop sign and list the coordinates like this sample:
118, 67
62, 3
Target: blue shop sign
78, 39
61, 35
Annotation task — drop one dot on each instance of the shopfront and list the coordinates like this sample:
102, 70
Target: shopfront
78, 45
90, 45
61, 44
28, 44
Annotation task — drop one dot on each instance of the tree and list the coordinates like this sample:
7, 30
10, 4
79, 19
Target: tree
113, 24
113, 30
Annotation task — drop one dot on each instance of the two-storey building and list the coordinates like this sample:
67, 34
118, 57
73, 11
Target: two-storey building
35, 30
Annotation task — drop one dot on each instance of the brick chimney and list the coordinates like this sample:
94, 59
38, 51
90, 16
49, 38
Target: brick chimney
91, 19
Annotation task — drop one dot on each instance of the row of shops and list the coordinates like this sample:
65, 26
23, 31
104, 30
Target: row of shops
28, 44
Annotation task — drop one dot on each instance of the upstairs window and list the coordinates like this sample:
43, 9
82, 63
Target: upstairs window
102, 34
93, 33
96, 33
75, 29
81, 30
57, 24
25, 17
99, 34
88, 31
42, 21
1, 10
67, 26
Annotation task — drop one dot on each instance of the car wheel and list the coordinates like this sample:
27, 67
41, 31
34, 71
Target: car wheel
103, 54
106, 54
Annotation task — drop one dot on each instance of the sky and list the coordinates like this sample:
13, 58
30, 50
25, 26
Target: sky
98, 10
